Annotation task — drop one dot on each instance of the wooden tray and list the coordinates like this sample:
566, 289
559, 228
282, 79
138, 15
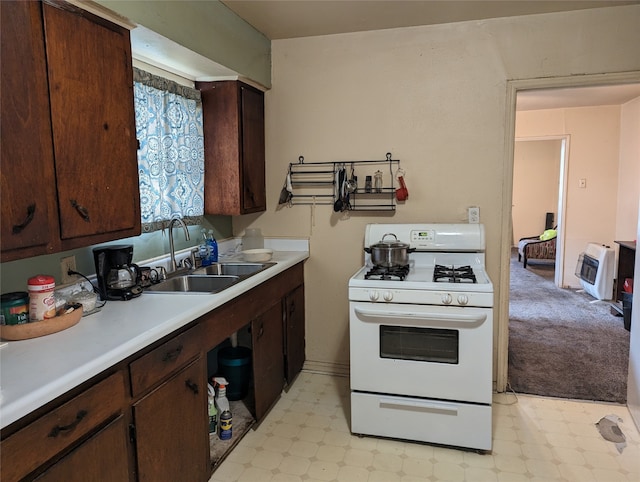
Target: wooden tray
40, 328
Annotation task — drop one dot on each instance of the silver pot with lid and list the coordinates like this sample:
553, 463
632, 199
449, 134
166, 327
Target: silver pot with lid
389, 254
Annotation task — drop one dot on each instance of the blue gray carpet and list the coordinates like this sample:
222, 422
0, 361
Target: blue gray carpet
560, 343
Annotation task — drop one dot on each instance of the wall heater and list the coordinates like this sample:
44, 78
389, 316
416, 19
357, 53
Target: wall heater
595, 269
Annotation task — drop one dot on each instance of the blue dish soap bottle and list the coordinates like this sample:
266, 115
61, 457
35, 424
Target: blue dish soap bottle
205, 249
213, 248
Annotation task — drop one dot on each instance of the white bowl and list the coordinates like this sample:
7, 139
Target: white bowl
257, 255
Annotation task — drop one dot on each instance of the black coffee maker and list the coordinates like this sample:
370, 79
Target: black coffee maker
118, 277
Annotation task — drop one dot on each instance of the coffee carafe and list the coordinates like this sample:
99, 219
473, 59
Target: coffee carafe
118, 277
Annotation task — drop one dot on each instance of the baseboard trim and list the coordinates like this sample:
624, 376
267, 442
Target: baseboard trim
326, 368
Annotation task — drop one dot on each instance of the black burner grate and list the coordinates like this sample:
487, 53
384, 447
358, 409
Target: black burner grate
397, 273
452, 274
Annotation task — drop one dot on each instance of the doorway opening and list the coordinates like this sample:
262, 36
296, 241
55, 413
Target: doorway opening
539, 185
515, 87
550, 325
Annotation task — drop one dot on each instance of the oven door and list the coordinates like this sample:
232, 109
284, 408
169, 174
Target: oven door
442, 352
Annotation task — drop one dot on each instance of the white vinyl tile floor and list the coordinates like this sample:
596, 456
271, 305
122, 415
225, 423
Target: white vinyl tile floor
306, 438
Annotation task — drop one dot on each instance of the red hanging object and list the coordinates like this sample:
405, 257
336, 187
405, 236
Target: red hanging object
402, 193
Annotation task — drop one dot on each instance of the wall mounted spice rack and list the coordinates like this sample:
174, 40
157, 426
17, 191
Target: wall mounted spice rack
329, 183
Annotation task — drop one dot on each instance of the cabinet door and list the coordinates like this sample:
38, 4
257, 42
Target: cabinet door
268, 361
102, 458
233, 121
253, 156
62, 428
92, 117
29, 224
294, 333
171, 423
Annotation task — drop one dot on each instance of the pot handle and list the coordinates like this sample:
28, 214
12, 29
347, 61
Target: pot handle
367, 250
389, 234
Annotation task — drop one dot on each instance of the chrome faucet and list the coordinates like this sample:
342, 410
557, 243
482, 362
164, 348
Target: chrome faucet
174, 266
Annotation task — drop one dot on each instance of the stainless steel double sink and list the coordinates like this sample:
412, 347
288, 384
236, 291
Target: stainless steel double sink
209, 279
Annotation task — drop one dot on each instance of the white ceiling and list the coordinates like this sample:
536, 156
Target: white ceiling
282, 19
576, 97
296, 18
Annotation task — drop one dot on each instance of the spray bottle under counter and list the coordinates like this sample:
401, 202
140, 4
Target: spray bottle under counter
223, 409
213, 411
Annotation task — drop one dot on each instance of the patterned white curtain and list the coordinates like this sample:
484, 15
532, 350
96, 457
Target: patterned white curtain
171, 151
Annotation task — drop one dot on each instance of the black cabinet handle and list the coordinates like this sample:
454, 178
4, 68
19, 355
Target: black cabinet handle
193, 386
31, 210
82, 211
172, 355
55, 431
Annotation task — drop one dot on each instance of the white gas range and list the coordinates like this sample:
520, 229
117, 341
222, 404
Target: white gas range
421, 338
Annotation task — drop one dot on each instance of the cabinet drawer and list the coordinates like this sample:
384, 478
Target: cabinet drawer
29, 448
149, 369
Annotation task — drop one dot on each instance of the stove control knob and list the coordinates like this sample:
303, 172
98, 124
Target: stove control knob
446, 299
374, 295
388, 295
463, 300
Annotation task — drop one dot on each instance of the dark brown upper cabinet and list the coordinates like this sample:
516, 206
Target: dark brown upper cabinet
68, 149
234, 148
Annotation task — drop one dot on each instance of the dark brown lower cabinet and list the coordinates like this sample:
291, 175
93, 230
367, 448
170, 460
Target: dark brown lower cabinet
57, 441
102, 458
268, 363
152, 425
171, 428
294, 334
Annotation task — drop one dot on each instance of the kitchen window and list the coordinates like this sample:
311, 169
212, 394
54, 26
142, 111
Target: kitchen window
171, 151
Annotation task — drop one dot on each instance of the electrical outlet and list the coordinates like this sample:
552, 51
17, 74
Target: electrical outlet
474, 215
66, 264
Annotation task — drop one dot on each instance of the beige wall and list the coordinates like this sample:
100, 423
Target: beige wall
592, 213
536, 177
436, 98
629, 172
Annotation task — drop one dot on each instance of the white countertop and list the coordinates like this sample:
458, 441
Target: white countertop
34, 372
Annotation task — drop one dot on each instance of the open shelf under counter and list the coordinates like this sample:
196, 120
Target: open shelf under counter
242, 422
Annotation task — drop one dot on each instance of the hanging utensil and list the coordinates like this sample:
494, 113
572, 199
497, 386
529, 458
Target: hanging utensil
402, 193
339, 204
343, 189
287, 191
352, 182
346, 205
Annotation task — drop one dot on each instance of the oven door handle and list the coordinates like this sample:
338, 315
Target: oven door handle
477, 318
419, 406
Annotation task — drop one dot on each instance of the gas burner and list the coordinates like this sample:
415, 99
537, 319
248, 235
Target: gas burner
396, 273
460, 274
